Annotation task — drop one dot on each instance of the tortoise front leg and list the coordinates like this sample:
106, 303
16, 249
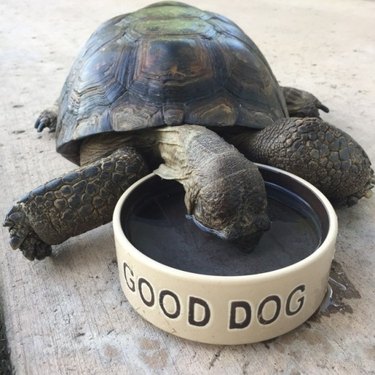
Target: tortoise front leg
301, 103
73, 203
320, 153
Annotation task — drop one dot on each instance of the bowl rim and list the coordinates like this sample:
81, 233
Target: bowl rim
327, 243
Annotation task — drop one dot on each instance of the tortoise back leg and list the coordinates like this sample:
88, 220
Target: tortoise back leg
301, 103
320, 153
73, 203
47, 118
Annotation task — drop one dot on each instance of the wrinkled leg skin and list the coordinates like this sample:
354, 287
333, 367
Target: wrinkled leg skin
73, 203
320, 153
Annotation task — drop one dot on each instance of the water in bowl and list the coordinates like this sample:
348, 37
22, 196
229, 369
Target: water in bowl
155, 223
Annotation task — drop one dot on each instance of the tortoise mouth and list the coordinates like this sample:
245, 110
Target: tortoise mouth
261, 224
204, 228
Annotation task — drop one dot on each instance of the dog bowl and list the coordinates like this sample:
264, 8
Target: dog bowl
199, 287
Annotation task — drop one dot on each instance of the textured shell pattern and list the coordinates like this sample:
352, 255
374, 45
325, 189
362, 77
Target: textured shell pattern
166, 64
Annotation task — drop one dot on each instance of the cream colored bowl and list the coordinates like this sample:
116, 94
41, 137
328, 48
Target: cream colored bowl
228, 309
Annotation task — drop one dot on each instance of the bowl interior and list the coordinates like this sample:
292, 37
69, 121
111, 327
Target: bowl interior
153, 218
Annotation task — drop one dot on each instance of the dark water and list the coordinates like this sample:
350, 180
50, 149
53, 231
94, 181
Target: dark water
158, 227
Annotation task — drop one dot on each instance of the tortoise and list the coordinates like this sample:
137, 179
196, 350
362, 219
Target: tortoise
186, 93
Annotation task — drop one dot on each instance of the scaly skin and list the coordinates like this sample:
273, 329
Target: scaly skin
318, 152
73, 203
225, 192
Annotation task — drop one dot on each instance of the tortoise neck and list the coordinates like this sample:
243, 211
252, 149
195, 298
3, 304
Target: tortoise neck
99, 146
96, 147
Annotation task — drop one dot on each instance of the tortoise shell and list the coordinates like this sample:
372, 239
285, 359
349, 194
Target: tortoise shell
166, 64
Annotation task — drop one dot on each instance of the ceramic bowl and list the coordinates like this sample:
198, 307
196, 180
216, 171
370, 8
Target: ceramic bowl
225, 304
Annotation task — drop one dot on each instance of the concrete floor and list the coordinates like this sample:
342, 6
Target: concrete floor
67, 314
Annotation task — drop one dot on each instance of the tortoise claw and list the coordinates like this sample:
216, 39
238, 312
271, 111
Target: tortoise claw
34, 248
23, 237
321, 106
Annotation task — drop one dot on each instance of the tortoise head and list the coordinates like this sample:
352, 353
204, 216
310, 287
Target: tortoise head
224, 192
233, 208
